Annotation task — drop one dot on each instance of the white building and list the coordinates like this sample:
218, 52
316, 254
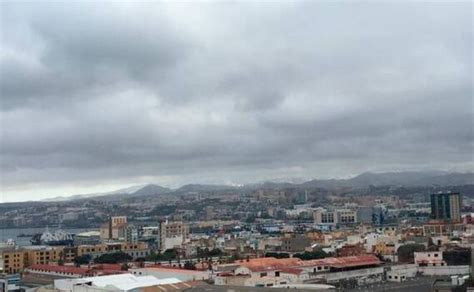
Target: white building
338, 216
121, 282
401, 273
429, 259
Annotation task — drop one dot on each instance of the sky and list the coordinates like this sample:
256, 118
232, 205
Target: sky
97, 96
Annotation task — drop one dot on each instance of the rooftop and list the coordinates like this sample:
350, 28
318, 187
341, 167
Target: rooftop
61, 269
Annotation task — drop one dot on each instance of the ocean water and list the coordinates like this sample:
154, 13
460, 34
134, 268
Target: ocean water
6, 234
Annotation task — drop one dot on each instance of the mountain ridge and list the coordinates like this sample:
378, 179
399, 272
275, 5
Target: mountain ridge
366, 179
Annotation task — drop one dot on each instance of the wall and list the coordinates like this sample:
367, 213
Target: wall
445, 270
375, 273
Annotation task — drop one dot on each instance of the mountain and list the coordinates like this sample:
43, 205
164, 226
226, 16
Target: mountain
204, 188
150, 190
138, 190
405, 178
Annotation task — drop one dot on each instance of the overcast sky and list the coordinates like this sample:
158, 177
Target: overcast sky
102, 96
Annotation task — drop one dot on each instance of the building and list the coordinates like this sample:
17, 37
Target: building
162, 272
59, 271
9, 283
401, 273
295, 243
437, 228
121, 282
446, 207
14, 260
114, 229
270, 271
135, 250
131, 234
338, 216
89, 237
430, 258
173, 234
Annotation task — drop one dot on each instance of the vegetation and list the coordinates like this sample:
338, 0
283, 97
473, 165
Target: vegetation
406, 253
82, 260
113, 258
311, 255
458, 257
168, 255
206, 253
278, 255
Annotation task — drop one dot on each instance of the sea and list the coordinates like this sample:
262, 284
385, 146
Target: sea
6, 234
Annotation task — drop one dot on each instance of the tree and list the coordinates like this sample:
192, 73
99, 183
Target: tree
406, 253
113, 258
278, 255
311, 255
188, 265
458, 256
82, 260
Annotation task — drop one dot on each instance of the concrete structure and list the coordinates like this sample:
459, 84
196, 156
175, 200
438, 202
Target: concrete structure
401, 273
444, 270
362, 276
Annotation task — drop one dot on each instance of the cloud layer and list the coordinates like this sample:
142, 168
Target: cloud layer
98, 95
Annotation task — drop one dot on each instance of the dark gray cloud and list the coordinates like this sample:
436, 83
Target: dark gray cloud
101, 95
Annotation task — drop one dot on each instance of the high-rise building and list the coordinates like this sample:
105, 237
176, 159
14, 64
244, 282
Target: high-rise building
172, 234
446, 207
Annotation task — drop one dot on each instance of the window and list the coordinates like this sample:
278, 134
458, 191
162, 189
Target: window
263, 275
436, 255
277, 274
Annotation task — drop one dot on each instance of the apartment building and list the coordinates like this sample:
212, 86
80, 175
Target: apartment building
173, 234
337, 216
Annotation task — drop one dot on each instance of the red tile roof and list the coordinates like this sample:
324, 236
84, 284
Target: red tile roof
270, 264
116, 267
344, 262
291, 271
61, 269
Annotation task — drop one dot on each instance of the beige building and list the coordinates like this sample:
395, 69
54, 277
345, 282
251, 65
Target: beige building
116, 228
15, 260
173, 234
